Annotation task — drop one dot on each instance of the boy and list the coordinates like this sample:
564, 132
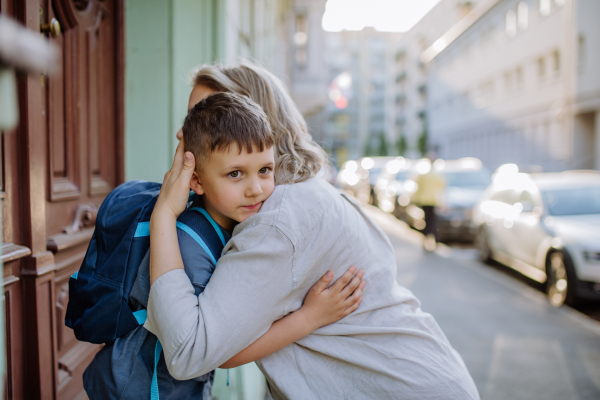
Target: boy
232, 141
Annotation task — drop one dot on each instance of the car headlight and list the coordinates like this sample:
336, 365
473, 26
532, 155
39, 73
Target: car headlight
592, 256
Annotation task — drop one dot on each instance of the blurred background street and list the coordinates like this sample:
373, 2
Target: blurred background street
514, 343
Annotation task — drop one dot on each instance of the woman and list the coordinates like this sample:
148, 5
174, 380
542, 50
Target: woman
388, 348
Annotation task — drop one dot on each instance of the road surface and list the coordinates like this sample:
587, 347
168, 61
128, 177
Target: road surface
515, 344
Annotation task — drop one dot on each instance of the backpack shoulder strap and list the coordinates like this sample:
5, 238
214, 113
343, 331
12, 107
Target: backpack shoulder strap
212, 222
198, 239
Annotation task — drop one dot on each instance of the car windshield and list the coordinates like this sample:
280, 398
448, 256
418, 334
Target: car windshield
401, 176
374, 174
480, 178
375, 171
572, 201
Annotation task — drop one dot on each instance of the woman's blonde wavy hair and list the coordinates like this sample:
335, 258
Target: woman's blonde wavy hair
297, 156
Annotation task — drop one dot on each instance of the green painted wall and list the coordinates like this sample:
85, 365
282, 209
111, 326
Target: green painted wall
165, 39
195, 39
148, 91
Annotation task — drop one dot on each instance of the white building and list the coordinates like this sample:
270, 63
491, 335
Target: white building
518, 81
411, 72
363, 121
306, 64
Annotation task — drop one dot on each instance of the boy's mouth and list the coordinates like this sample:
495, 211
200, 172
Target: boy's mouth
252, 207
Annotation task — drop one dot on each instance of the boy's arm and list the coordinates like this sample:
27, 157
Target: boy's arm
322, 306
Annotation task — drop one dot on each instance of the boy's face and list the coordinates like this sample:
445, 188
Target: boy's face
235, 184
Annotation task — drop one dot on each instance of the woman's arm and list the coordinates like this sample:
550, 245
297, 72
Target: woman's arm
245, 294
322, 306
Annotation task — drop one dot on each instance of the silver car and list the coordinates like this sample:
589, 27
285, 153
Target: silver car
547, 227
466, 180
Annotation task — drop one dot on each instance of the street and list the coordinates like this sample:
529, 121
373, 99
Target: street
514, 343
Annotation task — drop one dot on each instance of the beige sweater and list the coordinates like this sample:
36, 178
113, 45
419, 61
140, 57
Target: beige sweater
387, 349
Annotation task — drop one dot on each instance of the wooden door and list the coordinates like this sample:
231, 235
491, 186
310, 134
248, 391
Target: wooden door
57, 167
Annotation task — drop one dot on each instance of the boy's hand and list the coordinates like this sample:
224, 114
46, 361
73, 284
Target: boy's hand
324, 306
175, 190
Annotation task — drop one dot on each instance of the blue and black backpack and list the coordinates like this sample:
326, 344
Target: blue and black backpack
99, 308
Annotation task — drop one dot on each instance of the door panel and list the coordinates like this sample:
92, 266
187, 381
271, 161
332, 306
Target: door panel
57, 167
528, 229
63, 141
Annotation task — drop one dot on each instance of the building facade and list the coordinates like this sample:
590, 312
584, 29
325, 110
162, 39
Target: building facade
306, 65
411, 73
517, 81
359, 116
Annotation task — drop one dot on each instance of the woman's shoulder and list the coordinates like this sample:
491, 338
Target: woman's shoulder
294, 209
299, 206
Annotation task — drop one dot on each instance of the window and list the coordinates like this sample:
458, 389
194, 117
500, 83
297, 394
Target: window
541, 67
581, 52
526, 200
508, 80
301, 39
504, 196
573, 201
559, 2
519, 77
525, 196
523, 15
511, 23
556, 61
544, 7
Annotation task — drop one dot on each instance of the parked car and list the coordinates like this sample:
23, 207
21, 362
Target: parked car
547, 227
466, 180
389, 189
359, 177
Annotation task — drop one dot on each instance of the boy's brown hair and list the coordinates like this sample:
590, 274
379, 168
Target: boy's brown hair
220, 120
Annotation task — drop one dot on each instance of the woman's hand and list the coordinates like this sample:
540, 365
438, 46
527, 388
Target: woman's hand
175, 190
323, 306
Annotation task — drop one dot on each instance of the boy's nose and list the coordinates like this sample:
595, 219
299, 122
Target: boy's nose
179, 135
254, 189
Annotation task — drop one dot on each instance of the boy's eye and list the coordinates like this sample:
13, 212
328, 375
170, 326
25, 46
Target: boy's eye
234, 174
264, 170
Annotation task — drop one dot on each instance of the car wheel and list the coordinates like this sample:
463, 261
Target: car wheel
561, 280
483, 245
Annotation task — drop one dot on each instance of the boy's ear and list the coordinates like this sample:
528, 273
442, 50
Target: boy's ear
195, 184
